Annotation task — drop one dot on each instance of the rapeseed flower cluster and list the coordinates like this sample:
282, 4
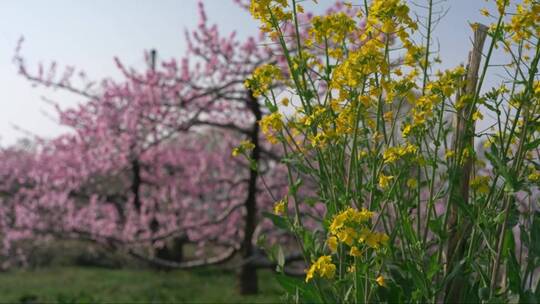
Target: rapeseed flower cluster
385, 180
244, 146
393, 154
271, 126
525, 22
481, 184
333, 27
280, 207
350, 228
262, 79
437, 91
270, 12
323, 268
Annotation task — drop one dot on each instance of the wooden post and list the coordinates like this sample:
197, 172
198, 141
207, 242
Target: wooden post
463, 139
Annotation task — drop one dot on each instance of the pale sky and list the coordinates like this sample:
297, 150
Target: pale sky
88, 34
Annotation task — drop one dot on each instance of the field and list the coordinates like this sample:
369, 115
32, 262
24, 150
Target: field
380, 151
97, 285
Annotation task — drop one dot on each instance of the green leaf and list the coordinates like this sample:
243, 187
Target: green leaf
401, 278
513, 216
307, 238
308, 94
537, 292
253, 165
492, 108
348, 293
418, 279
514, 277
499, 218
311, 201
524, 235
278, 221
501, 166
393, 293
456, 270
290, 284
485, 279
434, 267
436, 226
535, 235
483, 293
528, 297
532, 145
270, 106
409, 231
466, 208
307, 292
280, 256
294, 187
261, 240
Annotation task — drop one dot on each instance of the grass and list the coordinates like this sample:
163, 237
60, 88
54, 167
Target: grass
96, 285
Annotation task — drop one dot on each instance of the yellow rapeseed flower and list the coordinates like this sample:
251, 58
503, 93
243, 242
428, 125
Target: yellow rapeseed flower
262, 79
271, 125
394, 153
270, 12
244, 146
477, 115
323, 267
380, 281
534, 177
481, 184
412, 183
280, 207
347, 235
355, 252
337, 223
333, 27
332, 243
384, 181
406, 130
449, 153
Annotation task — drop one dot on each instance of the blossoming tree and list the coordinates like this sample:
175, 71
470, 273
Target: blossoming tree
148, 159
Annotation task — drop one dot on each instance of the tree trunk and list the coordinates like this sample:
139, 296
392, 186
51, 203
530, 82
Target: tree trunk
172, 251
247, 277
136, 184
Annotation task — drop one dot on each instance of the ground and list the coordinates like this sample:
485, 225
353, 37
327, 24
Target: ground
99, 285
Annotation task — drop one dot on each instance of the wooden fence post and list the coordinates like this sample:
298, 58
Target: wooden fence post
460, 178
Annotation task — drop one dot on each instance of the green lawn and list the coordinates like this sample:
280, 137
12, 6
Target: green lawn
94, 285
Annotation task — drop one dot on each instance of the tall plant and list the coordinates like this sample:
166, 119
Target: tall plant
417, 211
